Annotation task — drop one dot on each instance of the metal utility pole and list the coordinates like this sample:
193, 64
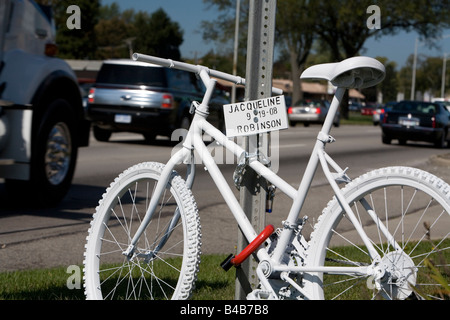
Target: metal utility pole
236, 46
260, 48
444, 67
413, 84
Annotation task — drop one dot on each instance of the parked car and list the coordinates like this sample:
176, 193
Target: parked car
147, 99
369, 109
378, 113
446, 105
443, 101
354, 105
310, 111
416, 121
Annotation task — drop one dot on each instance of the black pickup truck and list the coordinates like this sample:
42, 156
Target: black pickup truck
148, 99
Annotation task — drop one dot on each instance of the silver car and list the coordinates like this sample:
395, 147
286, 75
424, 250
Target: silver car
310, 111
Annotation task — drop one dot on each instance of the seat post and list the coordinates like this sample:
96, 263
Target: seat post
334, 107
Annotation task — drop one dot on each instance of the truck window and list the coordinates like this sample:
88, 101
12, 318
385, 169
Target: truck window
131, 75
182, 80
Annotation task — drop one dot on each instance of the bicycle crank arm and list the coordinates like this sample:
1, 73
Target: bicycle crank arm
231, 260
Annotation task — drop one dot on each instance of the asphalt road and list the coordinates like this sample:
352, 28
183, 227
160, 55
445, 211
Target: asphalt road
36, 238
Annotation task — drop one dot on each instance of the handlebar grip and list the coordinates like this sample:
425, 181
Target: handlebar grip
168, 63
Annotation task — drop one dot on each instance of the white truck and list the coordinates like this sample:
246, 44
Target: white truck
41, 112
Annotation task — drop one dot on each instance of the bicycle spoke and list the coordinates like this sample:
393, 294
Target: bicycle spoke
405, 221
153, 269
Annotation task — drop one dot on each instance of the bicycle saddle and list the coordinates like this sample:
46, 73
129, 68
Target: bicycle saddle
356, 72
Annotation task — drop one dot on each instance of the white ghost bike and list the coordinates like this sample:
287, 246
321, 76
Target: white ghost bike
373, 240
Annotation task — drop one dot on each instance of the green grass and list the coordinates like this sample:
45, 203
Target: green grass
42, 284
213, 282
429, 274
51, 284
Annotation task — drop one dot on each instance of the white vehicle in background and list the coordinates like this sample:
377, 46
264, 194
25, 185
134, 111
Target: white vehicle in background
41, 113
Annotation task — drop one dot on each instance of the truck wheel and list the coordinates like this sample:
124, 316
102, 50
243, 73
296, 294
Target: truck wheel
56, 152
53, 160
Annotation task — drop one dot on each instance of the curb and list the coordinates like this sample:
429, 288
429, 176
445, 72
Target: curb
441, 160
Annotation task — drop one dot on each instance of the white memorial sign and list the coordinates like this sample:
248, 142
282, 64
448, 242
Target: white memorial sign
255, 117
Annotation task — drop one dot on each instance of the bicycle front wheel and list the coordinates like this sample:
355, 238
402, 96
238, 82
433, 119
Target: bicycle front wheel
166, 258
405, 214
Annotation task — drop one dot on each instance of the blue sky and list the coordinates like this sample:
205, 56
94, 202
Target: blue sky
190, 13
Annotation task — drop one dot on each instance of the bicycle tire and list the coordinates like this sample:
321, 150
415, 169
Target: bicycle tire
167, 273
419, 221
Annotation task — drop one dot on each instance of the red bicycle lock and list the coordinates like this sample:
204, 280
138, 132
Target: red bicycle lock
231, 260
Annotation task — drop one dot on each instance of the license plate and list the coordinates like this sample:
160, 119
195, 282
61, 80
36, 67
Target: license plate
408, 122
122, 118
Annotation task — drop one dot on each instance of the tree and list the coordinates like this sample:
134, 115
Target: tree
221, 30
106, 32
404, 76
342, 24
293, 28
428, 76
115, 32
75, 43
119, 33
388, 87
157, 35
293, 32
390, 83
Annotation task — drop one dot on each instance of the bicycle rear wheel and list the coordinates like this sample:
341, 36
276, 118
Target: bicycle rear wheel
165, 262
414, 206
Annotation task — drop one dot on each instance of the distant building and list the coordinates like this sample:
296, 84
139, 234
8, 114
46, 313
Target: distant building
85, 70
314, 90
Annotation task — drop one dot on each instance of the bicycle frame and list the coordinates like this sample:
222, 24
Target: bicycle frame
194, 142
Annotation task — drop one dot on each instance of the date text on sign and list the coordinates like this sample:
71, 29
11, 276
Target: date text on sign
255, 117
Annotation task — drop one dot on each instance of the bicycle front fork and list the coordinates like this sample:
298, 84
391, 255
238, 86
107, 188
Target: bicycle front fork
163, 181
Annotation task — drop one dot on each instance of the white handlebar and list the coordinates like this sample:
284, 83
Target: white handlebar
194, 68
